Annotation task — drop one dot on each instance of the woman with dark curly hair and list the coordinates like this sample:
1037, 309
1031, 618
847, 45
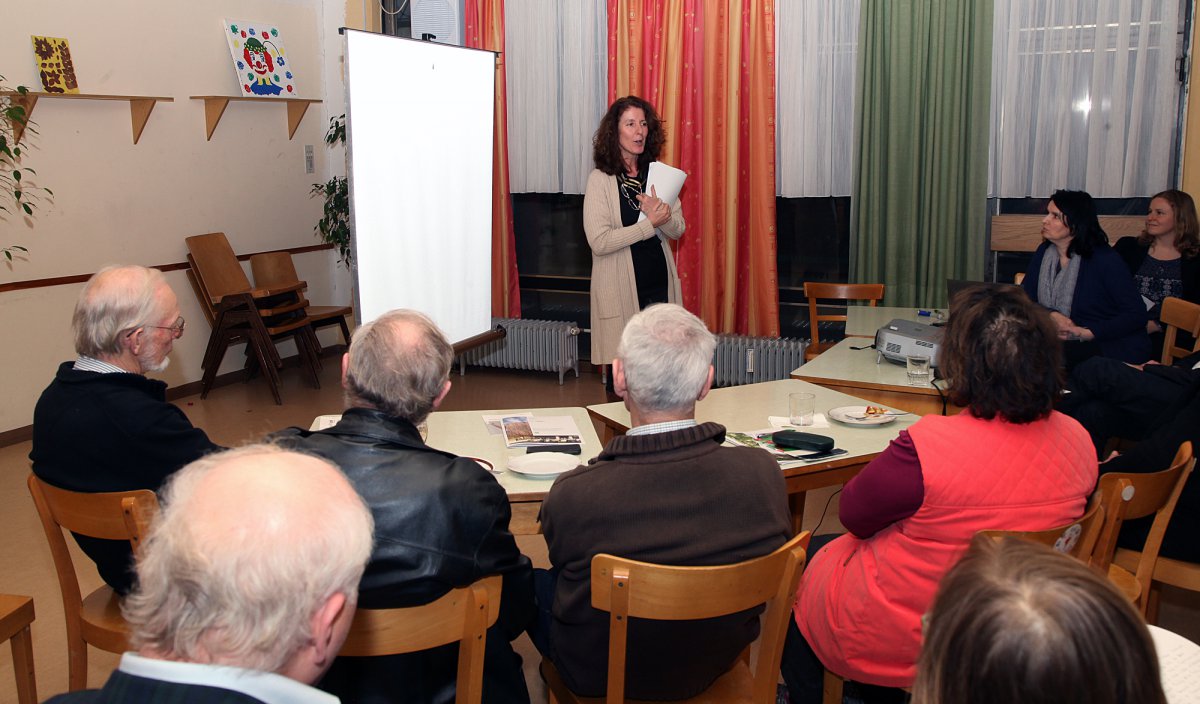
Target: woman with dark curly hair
1090, 295
1007, 461
632, 265
1163, 258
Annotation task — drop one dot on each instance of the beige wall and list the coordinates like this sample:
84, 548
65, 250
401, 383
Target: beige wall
119, 202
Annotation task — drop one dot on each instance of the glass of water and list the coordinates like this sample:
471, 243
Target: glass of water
918, 370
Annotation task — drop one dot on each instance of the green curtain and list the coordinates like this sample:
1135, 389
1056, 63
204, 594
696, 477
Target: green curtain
919, 200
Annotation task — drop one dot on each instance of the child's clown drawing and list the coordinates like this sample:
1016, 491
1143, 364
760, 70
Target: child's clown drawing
259, 60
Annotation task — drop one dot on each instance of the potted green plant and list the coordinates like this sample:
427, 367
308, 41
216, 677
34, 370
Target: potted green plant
334, 225
17, 194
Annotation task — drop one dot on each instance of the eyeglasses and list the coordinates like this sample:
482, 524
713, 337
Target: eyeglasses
176, 329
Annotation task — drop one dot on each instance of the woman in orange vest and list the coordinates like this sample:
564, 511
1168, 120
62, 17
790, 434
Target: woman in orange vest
1008, 461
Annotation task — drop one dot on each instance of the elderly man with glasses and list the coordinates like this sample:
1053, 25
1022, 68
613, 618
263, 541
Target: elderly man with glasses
102, 425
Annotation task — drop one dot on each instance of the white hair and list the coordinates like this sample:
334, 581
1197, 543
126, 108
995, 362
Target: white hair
666, 353
399, 363
245, 594
115, 300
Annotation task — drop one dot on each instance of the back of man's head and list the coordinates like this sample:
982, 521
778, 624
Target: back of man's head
250, 549
398, 363
115, 300
666, 353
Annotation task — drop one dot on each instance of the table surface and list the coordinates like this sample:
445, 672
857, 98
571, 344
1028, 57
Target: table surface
746, 408
863, 321
463, 433
844, 365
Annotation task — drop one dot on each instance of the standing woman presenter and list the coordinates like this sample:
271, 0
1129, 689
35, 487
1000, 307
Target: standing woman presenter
632, 264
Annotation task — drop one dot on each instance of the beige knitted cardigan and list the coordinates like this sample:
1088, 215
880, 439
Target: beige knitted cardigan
614, 290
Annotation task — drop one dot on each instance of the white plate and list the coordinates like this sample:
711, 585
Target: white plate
843, 414
543, 464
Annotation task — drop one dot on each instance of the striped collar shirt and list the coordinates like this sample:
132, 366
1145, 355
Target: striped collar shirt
89, 364
664, 427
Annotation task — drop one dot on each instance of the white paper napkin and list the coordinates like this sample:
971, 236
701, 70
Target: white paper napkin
782, 422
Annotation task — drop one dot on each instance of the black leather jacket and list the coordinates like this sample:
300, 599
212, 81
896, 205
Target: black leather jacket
441, 522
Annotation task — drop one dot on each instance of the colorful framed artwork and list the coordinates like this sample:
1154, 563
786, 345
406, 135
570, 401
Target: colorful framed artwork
54, 64
262, 67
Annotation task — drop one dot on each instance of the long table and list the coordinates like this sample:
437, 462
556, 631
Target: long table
463, 433
745, 408
860, 373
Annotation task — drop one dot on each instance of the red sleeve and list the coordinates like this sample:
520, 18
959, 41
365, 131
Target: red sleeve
890, 488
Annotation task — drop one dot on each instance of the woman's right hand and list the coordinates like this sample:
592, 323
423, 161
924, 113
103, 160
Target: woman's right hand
657, 211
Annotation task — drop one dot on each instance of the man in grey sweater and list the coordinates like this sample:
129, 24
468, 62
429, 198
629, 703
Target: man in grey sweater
668, 492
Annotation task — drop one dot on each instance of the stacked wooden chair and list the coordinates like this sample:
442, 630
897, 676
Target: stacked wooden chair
239, 313
275, 270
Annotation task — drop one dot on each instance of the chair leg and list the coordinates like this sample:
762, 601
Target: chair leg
22, 652
77, 664
833, 688
1152, 602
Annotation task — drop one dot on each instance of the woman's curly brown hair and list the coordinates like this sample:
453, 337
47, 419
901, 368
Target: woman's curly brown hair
606, 149
1187, 227
1001, 355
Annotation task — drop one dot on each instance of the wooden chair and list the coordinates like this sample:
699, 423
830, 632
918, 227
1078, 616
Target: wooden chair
276, 270
628, 588
240, 313
1077, 538
1178, 314
462, 615
16, 614
1176, 573
814, 291
1128, 495
96, 619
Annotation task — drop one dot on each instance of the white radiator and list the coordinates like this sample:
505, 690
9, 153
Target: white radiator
748, 360
536, 345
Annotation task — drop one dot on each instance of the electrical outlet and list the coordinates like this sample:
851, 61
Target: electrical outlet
309, 167
750, 354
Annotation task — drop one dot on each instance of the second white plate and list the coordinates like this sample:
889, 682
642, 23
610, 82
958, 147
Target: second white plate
846, 414
543, 464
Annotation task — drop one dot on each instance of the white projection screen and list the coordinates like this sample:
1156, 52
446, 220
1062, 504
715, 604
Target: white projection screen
419, 150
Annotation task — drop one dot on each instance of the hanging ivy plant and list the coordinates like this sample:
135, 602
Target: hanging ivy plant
334, 225
17, 195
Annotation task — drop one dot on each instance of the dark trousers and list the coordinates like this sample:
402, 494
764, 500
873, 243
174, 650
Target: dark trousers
1112, 399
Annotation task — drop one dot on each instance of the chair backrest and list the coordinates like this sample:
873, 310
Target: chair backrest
463, 614
1128, 495
628, 588
815, 291
121, 515
216, 265
1178, 314
272, 269
1077, 538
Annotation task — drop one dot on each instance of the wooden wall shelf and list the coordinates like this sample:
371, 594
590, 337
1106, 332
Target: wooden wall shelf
214, 108
140, 107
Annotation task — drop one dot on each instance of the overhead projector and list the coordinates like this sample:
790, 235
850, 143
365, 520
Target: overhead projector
904, 338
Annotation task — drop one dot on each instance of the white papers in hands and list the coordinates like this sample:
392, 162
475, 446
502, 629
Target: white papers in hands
667, 182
